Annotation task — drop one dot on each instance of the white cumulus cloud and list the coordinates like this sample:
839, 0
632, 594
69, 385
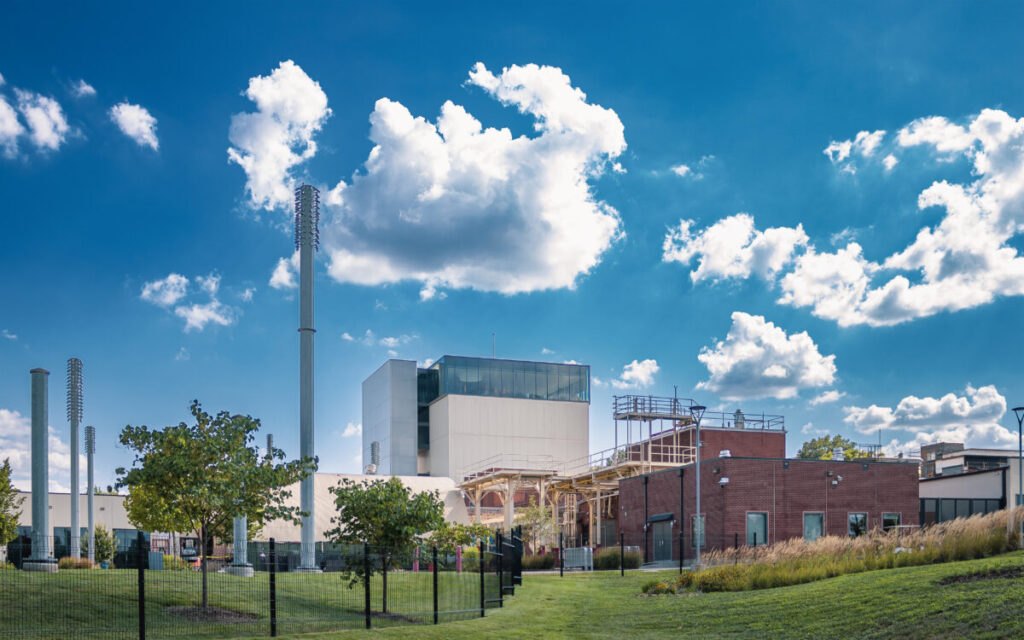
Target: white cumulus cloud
10, 129
681, 170
16, 445
758, 359
291, 108
450, 203
82, 89
285, 273
732, 248
352, 429
825, 397
167, 291
47, 125
137, 123
636, 374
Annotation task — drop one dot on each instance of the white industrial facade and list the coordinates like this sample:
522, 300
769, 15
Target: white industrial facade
462, 415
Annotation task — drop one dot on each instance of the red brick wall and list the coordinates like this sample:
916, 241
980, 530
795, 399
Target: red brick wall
741, 443
768, 486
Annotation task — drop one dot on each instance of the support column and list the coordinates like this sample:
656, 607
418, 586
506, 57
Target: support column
307, 218
42, 552
597, 537
240, 564
510, 504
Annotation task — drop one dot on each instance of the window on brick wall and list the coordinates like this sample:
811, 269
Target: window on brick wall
814, 526
858, 524
891, 521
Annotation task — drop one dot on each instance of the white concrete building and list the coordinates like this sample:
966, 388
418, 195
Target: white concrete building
463, 415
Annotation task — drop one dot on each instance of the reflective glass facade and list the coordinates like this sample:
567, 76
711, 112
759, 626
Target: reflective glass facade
507, 379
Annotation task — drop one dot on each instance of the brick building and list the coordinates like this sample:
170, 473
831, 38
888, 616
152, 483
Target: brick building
758, 500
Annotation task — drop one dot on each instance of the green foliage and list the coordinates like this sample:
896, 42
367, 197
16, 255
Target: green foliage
385, 514
9, 503
74, 563
470, 559
538, 562
172, 563
106, 544
821, 448
449, 535
538, 526
657, 587
608, 559
198, 477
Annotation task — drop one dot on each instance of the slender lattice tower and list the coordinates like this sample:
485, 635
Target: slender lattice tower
307, 240
90, 449
75, 417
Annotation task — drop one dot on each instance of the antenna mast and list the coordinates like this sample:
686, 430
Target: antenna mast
75, 417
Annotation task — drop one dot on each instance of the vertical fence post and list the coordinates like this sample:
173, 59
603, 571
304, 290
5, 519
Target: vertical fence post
501, 581
622, 554
680, 549
561, 554
736, 540
273, 589
140, 544
435, 585
483, 591
366, 581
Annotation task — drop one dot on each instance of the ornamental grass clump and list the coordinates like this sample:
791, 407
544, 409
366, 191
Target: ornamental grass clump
796, 561
608, 559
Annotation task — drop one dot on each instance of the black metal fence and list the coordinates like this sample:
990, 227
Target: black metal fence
143, 594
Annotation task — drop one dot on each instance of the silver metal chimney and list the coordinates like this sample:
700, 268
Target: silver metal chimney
307, 240
42, 555
90, 449
75, 417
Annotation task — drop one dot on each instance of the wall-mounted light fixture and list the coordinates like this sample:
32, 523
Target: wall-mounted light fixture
723, 481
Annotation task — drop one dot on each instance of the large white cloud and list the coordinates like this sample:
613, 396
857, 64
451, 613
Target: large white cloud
16, 445
137, 123
165, 291
451, 203
964, 261
637, 374
757, 360
732, 248
972, 418
47, 125
291, 108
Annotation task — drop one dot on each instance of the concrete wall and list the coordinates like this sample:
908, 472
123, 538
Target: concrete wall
785, 489
465, 430
389, 417
108, 510
984, 484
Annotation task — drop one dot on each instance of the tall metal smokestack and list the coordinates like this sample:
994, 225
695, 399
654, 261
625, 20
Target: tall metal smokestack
75, 417
90, 449
307, 240
42, 556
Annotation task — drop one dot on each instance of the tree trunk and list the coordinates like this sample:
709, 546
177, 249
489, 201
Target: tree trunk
203, 551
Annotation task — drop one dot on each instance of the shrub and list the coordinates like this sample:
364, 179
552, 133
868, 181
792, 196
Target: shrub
538, 562
608, 559
796, 561
172, 563
74, 563
657, 587
470, 559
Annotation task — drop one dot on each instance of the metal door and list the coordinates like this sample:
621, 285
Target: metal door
662, 541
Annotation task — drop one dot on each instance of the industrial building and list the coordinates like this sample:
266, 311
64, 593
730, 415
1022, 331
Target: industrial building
461, 415
958, 482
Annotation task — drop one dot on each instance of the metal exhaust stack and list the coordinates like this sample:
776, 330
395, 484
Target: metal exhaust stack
42, 556
75, 417
307, 240
90, 449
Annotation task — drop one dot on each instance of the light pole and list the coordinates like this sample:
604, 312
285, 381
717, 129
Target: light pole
697, 412
1019, 412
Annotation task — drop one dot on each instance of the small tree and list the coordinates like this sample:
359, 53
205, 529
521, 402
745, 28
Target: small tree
821, 448
536, 522
106, 544
198, 477
387, 516
10, 502
449, 535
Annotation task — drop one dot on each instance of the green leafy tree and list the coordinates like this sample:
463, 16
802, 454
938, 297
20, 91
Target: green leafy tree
198, 477
536, 521
452, 534
10, 502
386, 515
106, 544
821, 448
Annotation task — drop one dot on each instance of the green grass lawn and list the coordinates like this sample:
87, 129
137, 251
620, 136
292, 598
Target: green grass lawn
895, 603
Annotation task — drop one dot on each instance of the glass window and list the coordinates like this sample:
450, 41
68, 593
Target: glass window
963, 508
563, 384
520, 383
757, 529
697, 531
928, 515
814, 526
947, 509
552, 373
858, 524
891, 521
991, 506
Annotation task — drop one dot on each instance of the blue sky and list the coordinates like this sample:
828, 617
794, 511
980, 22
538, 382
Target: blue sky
680, 197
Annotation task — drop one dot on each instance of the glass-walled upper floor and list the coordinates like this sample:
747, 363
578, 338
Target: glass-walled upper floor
507, 379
